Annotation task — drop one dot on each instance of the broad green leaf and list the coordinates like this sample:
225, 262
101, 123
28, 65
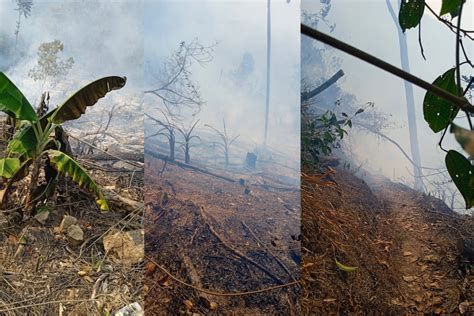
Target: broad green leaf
462, 173
438, 112
24, 141
76, 105
464, 137
8, 167
345, 268
450, 6
410, 14
67, 166
13, 102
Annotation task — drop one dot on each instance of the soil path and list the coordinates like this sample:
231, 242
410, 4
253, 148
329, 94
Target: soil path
426, 250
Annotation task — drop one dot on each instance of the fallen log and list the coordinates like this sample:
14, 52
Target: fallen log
186, 166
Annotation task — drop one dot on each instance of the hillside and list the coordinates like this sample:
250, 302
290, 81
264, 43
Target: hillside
412, 253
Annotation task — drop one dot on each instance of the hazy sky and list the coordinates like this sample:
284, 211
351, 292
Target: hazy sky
104, 38
239, 27
368, 26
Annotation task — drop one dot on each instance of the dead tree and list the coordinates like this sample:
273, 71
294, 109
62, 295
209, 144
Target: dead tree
175, 87
168, 129
225, 142
187, 134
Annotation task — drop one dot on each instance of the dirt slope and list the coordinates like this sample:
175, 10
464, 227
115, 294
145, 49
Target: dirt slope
219, 235
410, 250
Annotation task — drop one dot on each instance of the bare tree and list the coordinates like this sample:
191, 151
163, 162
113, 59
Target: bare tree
187, 134
226, 141
166, 128
175, 87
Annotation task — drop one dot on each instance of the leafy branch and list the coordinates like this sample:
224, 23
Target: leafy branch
444, 97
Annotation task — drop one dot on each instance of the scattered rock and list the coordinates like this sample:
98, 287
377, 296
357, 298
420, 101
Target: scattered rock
247, 191
464, 307
42, 217
67, 222
134, 309
75, 235
407, 253
126, 246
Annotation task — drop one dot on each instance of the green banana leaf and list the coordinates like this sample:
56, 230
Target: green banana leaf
13, 102
8, 167
67, 166
76, 105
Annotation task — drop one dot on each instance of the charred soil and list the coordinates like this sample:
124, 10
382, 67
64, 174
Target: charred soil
225, 236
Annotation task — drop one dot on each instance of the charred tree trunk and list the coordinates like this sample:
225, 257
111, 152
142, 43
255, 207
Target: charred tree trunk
29, 203
308, 95
187, 158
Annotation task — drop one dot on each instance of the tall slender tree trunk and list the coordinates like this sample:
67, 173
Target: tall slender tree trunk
415, 149
269, 45
172, 146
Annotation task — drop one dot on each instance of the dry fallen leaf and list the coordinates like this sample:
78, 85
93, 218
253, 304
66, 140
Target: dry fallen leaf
188, 305
82, 273
307, 265
150, 268
409, 278
213, 306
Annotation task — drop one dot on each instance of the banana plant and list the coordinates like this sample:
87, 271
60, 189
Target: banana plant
40, 140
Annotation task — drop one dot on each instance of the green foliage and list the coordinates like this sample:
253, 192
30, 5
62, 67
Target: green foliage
451, 7
462, 173
411, 12
321, 134
34, 139
76, 105
67, 166
13, 102
439, 112
8, 167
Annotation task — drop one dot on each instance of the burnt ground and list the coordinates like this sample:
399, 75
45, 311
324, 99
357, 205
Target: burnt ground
412, 253
223, 236
51, 276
